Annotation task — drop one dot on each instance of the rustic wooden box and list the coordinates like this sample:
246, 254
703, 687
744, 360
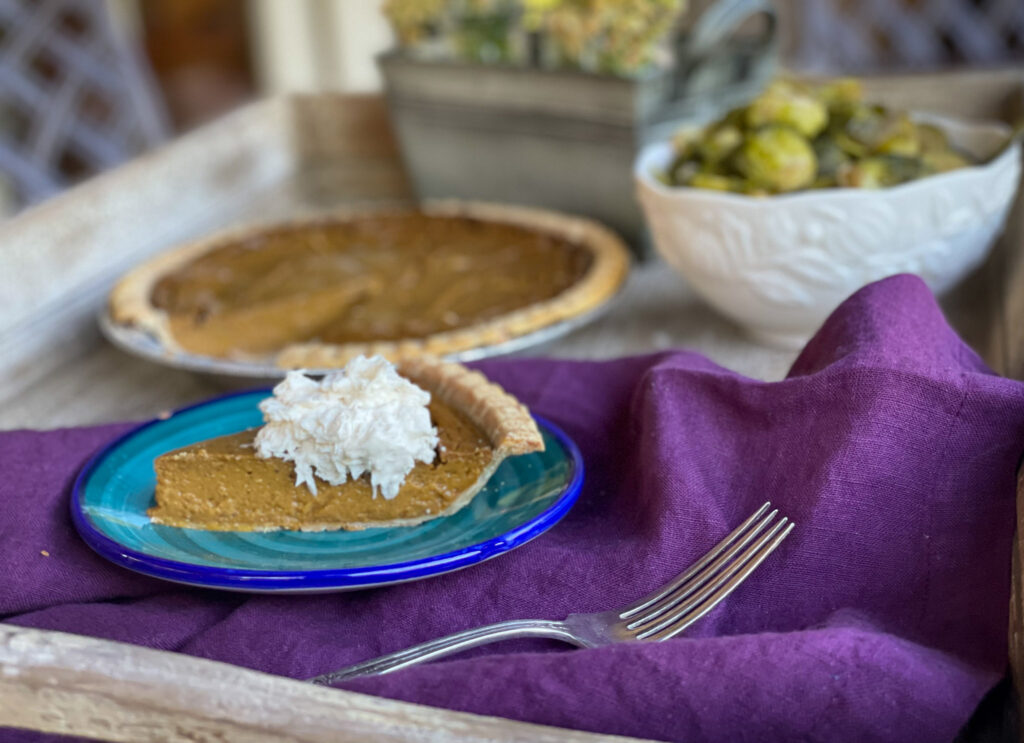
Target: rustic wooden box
560, 139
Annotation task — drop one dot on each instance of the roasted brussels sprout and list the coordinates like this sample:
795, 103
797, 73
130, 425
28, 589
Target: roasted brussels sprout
794, 137
899, 137
866, 125
879, 171
842, 91
715, 182
683, 170
777, 158
783, 104
719, 143
830, 156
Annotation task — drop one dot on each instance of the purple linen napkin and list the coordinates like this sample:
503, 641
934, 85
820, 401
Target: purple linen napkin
882, 618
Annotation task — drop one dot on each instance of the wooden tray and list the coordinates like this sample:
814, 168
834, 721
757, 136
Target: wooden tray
279, 158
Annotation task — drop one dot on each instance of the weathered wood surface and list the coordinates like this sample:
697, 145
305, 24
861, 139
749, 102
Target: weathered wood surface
63, 683
1007, 357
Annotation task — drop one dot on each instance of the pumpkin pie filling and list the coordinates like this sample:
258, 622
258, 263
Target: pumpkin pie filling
221, 484
366, 280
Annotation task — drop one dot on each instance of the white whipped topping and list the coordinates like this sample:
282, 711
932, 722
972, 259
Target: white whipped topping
363, 419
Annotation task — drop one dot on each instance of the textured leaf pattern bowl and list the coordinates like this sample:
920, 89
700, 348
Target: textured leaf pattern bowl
779, 265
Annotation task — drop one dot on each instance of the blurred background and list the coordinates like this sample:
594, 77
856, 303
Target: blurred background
86, 84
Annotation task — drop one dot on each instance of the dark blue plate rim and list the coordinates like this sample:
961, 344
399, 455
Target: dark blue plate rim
299, 580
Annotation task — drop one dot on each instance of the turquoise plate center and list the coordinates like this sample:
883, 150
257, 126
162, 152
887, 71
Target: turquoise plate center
525, 497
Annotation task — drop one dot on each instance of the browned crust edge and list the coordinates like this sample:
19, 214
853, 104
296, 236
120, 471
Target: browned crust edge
129, 302
505, 421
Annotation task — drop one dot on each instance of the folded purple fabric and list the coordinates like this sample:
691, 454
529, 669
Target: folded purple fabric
882, 618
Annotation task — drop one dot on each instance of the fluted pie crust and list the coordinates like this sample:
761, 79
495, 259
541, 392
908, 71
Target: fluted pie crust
131, 301
227, 487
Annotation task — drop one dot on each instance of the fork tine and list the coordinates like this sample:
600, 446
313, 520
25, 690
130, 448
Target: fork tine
644, 627
700, 604
705, 575
685, 577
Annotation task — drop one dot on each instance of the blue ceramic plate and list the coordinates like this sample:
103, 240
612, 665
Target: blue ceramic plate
526, 496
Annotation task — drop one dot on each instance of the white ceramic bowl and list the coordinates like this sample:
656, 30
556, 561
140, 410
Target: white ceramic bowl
779, 265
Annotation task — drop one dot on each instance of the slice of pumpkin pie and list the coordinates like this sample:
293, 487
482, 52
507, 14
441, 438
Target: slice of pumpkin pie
371, 445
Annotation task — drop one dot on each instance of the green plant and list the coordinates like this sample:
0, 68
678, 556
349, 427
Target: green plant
414, 20
619, 37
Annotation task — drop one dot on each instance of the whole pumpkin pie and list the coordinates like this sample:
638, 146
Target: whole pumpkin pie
312, 294
372, 445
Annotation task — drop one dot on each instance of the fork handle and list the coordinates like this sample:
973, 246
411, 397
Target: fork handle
451, 644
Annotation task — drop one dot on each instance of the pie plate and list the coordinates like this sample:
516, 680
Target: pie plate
136, 321
527, 495
140, 343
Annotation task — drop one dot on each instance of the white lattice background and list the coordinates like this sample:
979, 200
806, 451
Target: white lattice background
874, 35
74, 99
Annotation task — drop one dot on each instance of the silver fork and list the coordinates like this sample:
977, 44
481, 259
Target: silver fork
658, 616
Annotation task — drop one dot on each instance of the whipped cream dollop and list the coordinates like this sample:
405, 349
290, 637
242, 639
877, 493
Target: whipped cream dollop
363, 419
